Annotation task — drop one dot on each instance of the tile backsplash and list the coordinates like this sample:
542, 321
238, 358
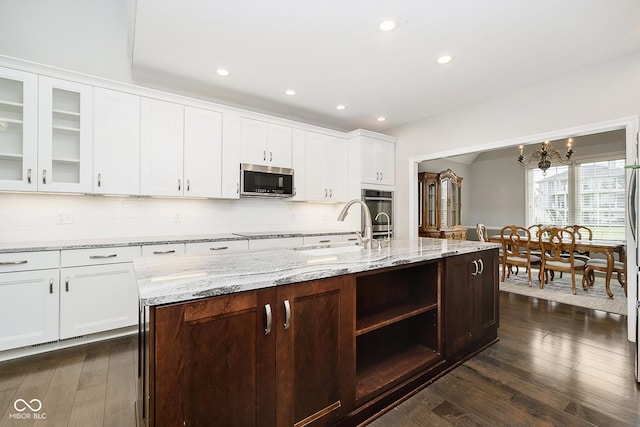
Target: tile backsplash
54, 217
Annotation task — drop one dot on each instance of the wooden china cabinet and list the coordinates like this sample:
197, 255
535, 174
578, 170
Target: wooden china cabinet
439, 205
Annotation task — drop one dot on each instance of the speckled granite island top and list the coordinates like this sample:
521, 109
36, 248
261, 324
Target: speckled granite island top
190, 277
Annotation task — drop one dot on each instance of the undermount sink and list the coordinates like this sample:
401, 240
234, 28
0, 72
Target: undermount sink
331, 250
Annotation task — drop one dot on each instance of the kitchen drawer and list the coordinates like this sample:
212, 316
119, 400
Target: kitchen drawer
23, 261
286, 242
350, 238
95, 256
165, 250
323, 240
216, 247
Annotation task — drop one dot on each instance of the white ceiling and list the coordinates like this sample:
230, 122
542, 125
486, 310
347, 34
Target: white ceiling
331, 52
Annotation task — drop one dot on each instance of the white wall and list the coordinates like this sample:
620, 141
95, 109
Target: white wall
604, 92
87, 36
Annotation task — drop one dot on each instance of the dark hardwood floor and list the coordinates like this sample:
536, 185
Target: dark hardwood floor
554, 365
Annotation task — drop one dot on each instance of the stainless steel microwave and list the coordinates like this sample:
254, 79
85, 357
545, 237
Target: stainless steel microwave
265, 181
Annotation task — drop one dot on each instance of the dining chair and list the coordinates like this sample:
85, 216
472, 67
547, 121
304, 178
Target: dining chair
582, 233
595, 264
481, 231
516, 250
558, 246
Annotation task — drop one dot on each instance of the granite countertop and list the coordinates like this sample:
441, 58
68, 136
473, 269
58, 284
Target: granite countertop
7, 247
190, 277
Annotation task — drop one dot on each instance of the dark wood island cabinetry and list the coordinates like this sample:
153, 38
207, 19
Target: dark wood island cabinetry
331, 351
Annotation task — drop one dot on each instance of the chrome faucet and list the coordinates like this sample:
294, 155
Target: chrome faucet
388, 239
368, 226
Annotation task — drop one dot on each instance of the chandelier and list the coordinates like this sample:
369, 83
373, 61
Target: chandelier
545, 154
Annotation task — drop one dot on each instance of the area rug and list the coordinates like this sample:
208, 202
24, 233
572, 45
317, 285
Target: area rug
559, 290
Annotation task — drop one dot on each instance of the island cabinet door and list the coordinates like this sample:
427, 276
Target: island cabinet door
315, 352
471, 300
215, 362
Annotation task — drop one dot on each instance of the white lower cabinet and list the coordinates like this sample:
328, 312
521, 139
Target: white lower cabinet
163, 250
28, 308
199, 248
285, 242
99, 292
97, 298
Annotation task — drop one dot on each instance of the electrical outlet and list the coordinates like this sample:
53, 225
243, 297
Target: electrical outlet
65, 218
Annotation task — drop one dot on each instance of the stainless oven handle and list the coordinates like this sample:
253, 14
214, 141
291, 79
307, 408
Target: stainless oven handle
383, 199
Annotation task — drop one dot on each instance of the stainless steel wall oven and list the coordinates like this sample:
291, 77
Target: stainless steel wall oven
379, 202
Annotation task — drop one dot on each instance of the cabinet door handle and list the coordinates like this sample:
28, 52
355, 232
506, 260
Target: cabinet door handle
287, 314
475, 264
29, 176
44, 176
270, 156
102, 256
377, 176
24, 261
99, 180
264, 156
481, 262
179, 184
325, 192
330, 193
380, 176
188, 185
170, 251
50, 286
66, 284
267, 311
219, 248
237, 188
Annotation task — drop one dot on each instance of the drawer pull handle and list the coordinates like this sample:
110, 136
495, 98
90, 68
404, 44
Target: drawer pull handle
66, 284
267, 311
324, 241
219, 248
24, 261
50, 286
287, 314
171, 251
103, 256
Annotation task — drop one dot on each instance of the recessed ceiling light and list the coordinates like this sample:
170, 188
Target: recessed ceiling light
387, 25
444, 59
340, 107
382, 119
290, 92
222, 72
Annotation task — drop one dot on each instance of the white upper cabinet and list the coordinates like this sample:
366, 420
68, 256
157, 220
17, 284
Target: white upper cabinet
65, 136
18, 130
326, 168
161, 148
299, 161
202, 153
116, 150
265, 143
231, 137
377, 161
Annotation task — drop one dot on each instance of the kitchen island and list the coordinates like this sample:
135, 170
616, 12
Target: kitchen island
308, 336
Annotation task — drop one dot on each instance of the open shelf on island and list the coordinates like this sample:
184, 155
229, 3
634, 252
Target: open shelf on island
398, 326
394, 314
394, 353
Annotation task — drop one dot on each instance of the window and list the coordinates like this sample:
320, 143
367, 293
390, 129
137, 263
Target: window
586, 192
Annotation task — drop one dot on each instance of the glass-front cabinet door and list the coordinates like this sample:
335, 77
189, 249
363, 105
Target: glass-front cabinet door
18, 130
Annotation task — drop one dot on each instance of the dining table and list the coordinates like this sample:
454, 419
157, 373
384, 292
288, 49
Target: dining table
606, 247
